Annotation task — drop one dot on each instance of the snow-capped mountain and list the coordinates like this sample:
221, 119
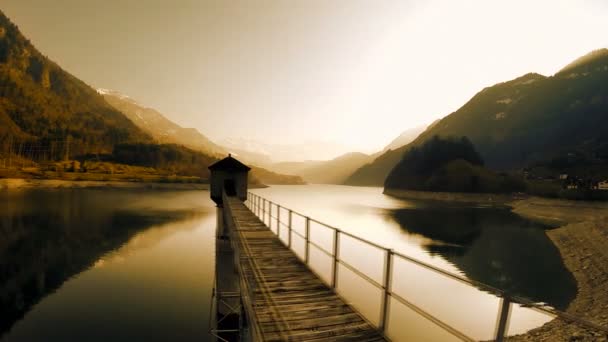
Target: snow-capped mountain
158, 126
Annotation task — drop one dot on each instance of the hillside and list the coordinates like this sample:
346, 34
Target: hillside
529, 120
447, 164
161, 129
333, 171
48, 114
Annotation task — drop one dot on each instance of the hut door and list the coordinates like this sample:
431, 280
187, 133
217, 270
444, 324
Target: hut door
229, 187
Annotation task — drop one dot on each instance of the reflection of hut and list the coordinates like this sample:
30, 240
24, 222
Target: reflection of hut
229, 175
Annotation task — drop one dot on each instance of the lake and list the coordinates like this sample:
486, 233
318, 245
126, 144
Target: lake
139, 265
106, 265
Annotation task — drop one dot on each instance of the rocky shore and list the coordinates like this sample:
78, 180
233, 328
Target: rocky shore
582, 239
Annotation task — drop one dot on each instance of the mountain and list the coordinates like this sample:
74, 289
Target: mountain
165, 131
406, 137
161, 129
48, 114
526, 121
375, 172
333, 171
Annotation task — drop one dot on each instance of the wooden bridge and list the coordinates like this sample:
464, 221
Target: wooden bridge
282, 299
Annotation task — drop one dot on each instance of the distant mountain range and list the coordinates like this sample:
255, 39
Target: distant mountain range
333, 171
529, 120
267, 153
339, 169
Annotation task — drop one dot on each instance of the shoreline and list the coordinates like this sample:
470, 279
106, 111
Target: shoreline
16, 184
581, 237
582, 240
23, 183
460, 197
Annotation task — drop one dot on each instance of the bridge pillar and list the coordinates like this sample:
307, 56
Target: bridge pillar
227, 289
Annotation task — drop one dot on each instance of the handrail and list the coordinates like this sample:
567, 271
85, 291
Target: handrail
263, 208
333, 284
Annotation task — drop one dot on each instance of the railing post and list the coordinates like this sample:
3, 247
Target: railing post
388, 270
503, 318
306, 246
266, 203
279, 221
269, 214
289, 230
334, 269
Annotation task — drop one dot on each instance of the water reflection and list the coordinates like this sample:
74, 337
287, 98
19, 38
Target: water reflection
493, 246
78, 244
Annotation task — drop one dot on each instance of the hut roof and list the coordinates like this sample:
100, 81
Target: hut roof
229, 164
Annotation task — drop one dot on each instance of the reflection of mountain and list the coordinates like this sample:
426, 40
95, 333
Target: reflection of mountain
495, 247
47, 238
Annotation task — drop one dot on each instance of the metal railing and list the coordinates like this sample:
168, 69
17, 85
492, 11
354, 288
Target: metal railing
263, 208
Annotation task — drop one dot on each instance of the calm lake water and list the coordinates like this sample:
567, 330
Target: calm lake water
123, 266
99, 265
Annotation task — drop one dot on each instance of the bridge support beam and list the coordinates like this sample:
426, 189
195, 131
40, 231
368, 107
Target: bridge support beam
229, 318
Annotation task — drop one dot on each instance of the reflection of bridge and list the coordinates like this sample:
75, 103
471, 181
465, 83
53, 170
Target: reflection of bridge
282, 276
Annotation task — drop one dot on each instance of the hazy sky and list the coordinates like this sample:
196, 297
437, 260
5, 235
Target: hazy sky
351, 72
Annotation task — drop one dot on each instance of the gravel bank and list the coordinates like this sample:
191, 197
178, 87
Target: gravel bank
583, 243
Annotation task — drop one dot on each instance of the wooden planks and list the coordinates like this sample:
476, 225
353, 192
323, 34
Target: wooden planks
287, 300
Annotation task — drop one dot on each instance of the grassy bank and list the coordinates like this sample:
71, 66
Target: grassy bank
21, 184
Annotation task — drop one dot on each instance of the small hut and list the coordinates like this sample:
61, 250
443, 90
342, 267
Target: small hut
229, 175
